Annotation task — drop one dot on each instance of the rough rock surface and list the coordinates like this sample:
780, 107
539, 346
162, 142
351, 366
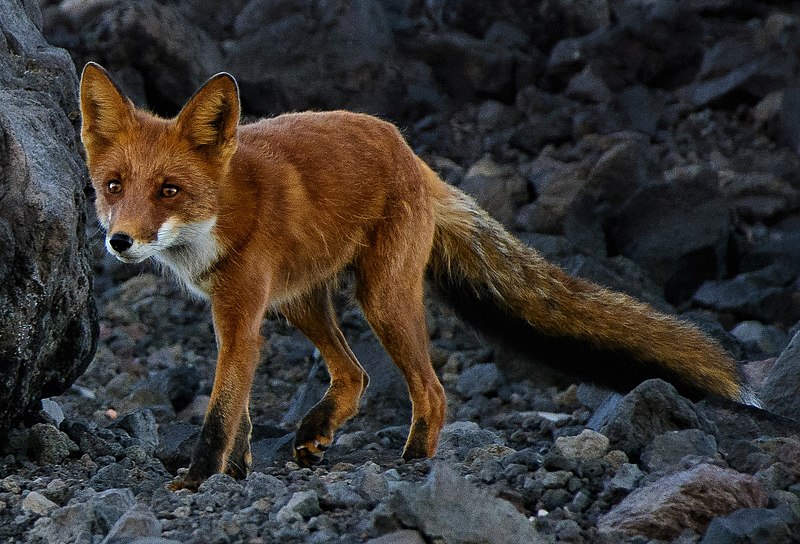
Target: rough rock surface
652, 408
48, 322
781, 392
449, 509
688, 499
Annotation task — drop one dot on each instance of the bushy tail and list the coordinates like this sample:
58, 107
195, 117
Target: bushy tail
508, 291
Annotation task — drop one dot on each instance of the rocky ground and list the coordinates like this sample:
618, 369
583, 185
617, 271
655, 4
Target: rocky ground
652, 149
517, 462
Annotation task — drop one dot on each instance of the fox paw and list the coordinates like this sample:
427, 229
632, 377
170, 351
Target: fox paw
417, 443
315, 434
310, 452
239, 468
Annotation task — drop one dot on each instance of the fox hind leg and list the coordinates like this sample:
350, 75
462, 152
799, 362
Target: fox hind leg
400, 325
314, 316
391, 293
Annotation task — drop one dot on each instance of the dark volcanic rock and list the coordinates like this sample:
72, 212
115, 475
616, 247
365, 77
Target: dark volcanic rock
668, 449
652, 408
48, 323
679, 232
781, 392
764, 295
173, 55
312, 59
498, 189
751, 526
479, 517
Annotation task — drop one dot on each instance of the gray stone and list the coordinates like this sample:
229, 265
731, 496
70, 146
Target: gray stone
479, 380
179, 384
52, 413
356, 72
220, 484
48, 319
467, 67
557, 185
760, 196
267, 450
749, 526
664, 508
38, 504
776, 477
48, 445
625, 479
175, 445
138, 522
760, 339
603, 414
589, 87
148, 397
110, 505
781, 392
258, 485
761, 295
405, 536
641, 107
110, 476
72, 523
87, 436
652, 408
498, 189
153, 540
568, 530
556, 479
302, 505
142, 426
371, 482
464, 435
479, 517
342, 495
159, 36
666, 450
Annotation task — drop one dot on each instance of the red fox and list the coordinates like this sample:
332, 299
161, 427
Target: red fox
266, 216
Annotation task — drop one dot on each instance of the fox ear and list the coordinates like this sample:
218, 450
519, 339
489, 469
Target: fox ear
105, 111
211, 117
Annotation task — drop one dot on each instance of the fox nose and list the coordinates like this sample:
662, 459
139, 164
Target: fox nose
120, 241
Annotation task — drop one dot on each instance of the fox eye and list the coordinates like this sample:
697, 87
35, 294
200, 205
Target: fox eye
114, 186
169, 191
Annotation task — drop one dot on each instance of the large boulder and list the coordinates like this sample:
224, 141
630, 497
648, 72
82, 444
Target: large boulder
300, 54
678, 231
48, 321
173, 55
686, 500
285, 54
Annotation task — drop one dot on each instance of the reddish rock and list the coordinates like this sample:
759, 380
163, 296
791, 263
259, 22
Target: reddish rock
689, 499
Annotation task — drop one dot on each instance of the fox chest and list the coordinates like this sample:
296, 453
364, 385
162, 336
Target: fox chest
192, 264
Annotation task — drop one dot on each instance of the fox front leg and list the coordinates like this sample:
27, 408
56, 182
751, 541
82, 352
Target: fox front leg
237, 323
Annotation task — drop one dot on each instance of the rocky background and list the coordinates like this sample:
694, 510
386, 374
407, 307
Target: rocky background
649, 146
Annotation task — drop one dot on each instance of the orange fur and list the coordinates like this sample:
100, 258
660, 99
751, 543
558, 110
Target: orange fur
266, 215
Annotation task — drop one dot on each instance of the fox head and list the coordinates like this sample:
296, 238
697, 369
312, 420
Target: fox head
157, 179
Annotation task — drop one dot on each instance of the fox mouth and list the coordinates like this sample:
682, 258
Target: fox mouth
134, 255
129, 259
